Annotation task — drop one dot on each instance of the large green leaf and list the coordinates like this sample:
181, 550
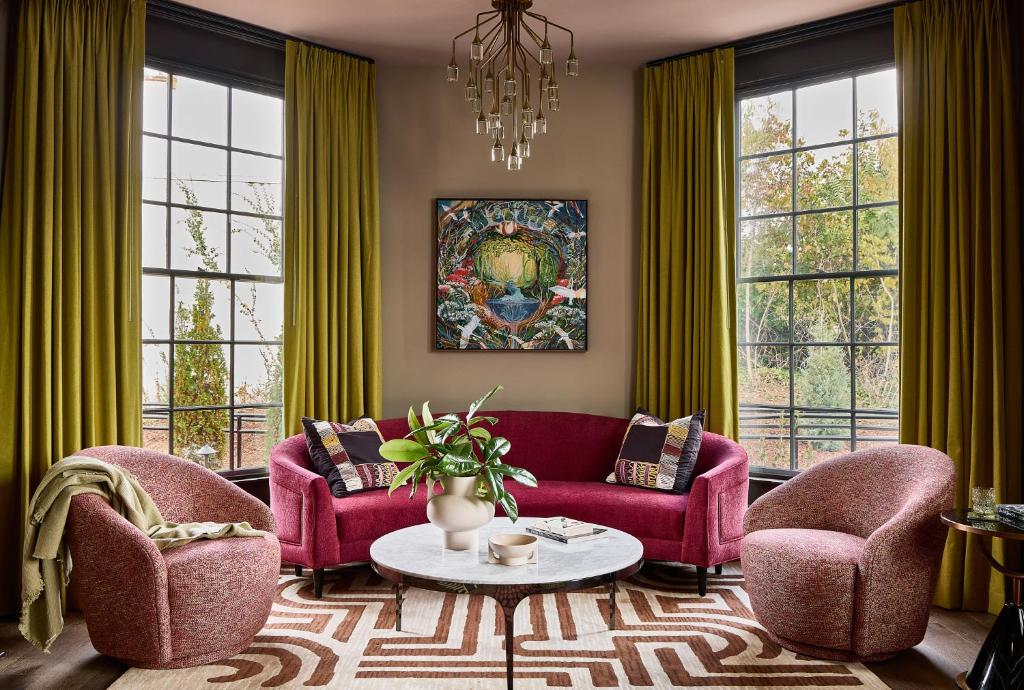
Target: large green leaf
480, 433
479, 403
428, 419
508, 502
495, 448
403, 476
415, 428
472, 421
450, 423
402, 450
454, 466
518, 473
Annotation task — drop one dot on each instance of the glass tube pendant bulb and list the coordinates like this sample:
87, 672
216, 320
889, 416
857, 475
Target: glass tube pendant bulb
481, 124
540, 125
510, 87
493, 121
497, 150
528, 130
453, 70
546, 54
476, 48
471, 90
572, 64
489, 81
527, 115
514, 161
553, 105
474, 105
553, 89
506, 106
524, 146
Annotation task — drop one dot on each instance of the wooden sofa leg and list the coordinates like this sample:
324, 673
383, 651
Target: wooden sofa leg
702, 581
298, 571
718, 569
318, 582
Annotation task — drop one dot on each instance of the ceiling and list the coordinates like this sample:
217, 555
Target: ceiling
620, 32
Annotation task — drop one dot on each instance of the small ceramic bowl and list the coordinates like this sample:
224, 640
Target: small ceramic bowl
513, 549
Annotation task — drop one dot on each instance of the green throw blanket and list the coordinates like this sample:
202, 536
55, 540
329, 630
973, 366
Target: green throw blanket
46, 562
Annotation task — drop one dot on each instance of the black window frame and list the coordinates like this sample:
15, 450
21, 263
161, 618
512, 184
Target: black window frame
159, 411
792, 410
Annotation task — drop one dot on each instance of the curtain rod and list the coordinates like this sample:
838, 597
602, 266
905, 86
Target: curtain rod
797, 34
202, 19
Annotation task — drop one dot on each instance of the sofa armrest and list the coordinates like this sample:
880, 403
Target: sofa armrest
303, 508
713, 525
120, 580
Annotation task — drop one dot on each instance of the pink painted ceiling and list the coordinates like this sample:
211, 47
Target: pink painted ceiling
623, 32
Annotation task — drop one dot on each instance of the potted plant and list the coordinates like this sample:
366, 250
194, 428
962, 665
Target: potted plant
461, 454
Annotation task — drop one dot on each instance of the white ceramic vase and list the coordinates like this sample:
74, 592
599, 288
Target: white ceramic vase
459, 513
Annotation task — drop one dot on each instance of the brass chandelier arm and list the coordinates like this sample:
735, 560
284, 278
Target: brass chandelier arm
533, 57
533, 34
541, 17
476, 27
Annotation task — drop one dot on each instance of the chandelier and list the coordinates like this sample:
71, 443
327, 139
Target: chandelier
500, 69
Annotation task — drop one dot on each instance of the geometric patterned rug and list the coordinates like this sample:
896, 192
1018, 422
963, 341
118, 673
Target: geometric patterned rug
667, 637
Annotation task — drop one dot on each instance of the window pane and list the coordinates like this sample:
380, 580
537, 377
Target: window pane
764, 375
256, 122
765, 436
878, 238
200, 175
767, 123
822, 377
877, 429
876, 103
810, 453
258, 374
877, 309
878, 374
154, 101
199, 110
878, 170
259, 311
201, 375
154, 236
824, 242
763, 310
202, 312
155, 433
829, 434
198, 240
766, 185
821, 310
824, 112
255, 184
155, 366
824, 177
254, 433
195, 429
766, 247
154, 169
156, 307
256, 245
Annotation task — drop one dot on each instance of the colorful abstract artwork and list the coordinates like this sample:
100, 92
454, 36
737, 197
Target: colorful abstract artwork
511, 275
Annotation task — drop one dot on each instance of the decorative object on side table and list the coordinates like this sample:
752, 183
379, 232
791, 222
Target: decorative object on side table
512, 549
1000, 662
461, 454
511, 275
983, 503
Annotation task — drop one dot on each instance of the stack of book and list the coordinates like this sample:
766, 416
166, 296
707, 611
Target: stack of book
566, 530
1011, 513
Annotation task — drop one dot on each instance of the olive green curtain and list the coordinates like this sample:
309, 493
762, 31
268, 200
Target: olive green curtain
686, 339
962, 353
332, 341
70, 340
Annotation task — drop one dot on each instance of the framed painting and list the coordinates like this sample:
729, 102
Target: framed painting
511, 274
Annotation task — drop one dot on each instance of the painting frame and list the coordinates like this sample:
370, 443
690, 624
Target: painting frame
574, 339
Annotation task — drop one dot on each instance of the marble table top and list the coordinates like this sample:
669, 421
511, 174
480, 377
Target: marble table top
417, 551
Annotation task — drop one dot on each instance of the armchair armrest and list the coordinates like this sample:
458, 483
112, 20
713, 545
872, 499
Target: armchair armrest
797, 503
713, 525
119, 577
216, 499
304, 510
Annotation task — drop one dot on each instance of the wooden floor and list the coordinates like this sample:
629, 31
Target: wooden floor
949, 647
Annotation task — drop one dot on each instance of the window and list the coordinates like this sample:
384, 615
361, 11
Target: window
817, 268
212, 292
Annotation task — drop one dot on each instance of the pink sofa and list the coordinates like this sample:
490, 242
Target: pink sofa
571, 454
841, 561
186, 606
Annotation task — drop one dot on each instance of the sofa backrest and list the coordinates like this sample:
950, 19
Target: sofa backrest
554, 446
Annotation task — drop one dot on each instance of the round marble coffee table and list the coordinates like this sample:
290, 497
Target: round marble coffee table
415, 557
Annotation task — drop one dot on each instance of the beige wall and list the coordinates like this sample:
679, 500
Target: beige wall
428, 150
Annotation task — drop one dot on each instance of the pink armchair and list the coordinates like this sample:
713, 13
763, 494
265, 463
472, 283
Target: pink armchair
841, 561
185, 606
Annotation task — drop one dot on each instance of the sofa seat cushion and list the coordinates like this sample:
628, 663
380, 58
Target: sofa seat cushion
204, 581
643, 513
372, 514
802, 583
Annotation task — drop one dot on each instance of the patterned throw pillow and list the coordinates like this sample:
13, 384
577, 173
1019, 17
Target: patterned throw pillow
348, 455
659, 455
